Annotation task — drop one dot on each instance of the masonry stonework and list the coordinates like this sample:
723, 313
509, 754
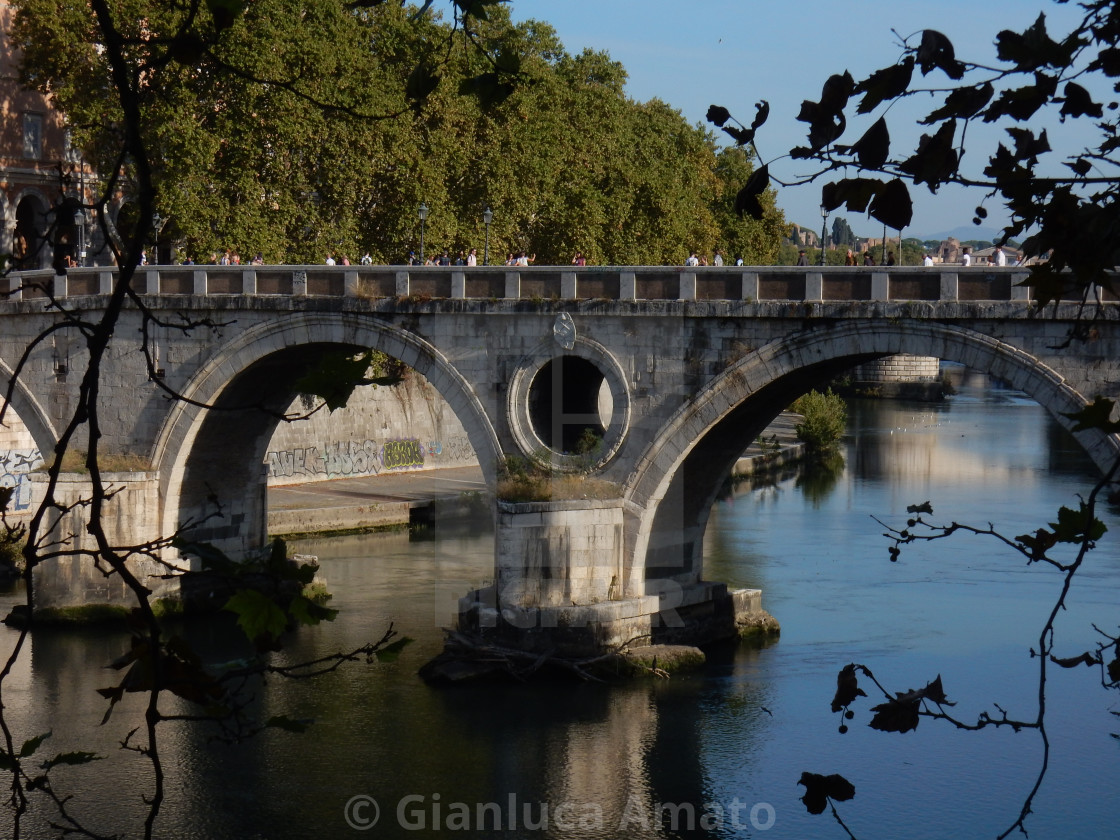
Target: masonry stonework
691, 382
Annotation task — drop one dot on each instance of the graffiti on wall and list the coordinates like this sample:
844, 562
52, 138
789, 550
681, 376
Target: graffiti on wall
358, 458
402, 454
15, 464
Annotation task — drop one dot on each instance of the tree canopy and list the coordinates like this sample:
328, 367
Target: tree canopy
304, 128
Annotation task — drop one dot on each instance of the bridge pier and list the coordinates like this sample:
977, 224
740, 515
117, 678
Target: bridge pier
560, 587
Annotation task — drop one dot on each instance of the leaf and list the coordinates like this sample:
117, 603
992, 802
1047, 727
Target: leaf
1028, 146
936, 159
289, 724
1071, 525
761, 113
742, 136
897, 715
1114, 670
819, 789
884, 84
847, 688
936, 51
837, 89
1038, 543
855, 193
1034, 48
962, 103
258, 616
5, 497
1022, 103
1080, 166
718, 115
71, 759
746, 201
391, 652
873, 148
6, 761
936, 694
1078, 103
892, 205
309, 613
824, 126
1073, 661
32, 744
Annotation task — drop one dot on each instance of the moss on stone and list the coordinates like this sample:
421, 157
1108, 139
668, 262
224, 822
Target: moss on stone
757, 624
85, 614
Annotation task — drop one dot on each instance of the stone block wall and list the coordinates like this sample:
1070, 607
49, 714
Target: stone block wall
130, 518
900, 368
383, 429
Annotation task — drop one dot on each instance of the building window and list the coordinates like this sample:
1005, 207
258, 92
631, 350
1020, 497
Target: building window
33, 136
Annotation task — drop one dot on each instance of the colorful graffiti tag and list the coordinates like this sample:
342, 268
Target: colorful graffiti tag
15, 464
402, 454
342, 459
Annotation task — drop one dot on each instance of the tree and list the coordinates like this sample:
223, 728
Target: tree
338, 157
149, 63
842, 234
1068, 211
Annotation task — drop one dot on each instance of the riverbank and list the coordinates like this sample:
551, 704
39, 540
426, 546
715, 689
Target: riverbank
369, 503
397, 500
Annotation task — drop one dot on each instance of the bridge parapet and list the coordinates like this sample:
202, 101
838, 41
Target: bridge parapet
750, 283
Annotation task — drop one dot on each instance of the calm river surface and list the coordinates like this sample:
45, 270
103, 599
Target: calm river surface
736, 737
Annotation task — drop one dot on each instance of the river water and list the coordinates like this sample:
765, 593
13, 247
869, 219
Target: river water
724, 748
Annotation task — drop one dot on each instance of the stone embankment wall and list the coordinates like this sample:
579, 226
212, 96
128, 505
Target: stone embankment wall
18, 457
408, 426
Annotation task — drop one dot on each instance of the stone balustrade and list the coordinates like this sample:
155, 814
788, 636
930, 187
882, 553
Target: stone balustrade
751, 283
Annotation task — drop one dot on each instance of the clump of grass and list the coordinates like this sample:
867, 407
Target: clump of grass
74, 461
523, 480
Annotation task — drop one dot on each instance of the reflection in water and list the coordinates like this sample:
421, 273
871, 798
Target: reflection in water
721, 746
819, 476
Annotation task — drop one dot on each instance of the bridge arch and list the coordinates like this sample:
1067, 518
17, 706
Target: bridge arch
671, 494
254, 368
30, 411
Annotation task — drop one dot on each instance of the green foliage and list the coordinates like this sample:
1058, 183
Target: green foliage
288, 136
825, 416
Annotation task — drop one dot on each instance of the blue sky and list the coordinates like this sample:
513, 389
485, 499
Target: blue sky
692, 53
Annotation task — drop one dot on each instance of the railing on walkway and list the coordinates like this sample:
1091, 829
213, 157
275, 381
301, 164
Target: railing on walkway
760, 283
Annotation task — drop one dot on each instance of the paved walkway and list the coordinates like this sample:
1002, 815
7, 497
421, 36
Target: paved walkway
365, 502
373, 501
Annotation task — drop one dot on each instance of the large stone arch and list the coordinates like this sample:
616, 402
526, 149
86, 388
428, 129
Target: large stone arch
669, 497
243, 363
30, 243
30, 411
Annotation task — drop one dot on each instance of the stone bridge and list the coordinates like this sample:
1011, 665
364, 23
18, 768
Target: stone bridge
650, 379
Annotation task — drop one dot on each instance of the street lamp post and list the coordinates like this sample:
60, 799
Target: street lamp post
487, 217
824, 230
157, 227
423, 217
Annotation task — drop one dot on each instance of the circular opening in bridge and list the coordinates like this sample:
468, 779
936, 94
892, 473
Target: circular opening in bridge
570, 405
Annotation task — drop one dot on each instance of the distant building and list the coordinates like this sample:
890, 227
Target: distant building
35, 155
